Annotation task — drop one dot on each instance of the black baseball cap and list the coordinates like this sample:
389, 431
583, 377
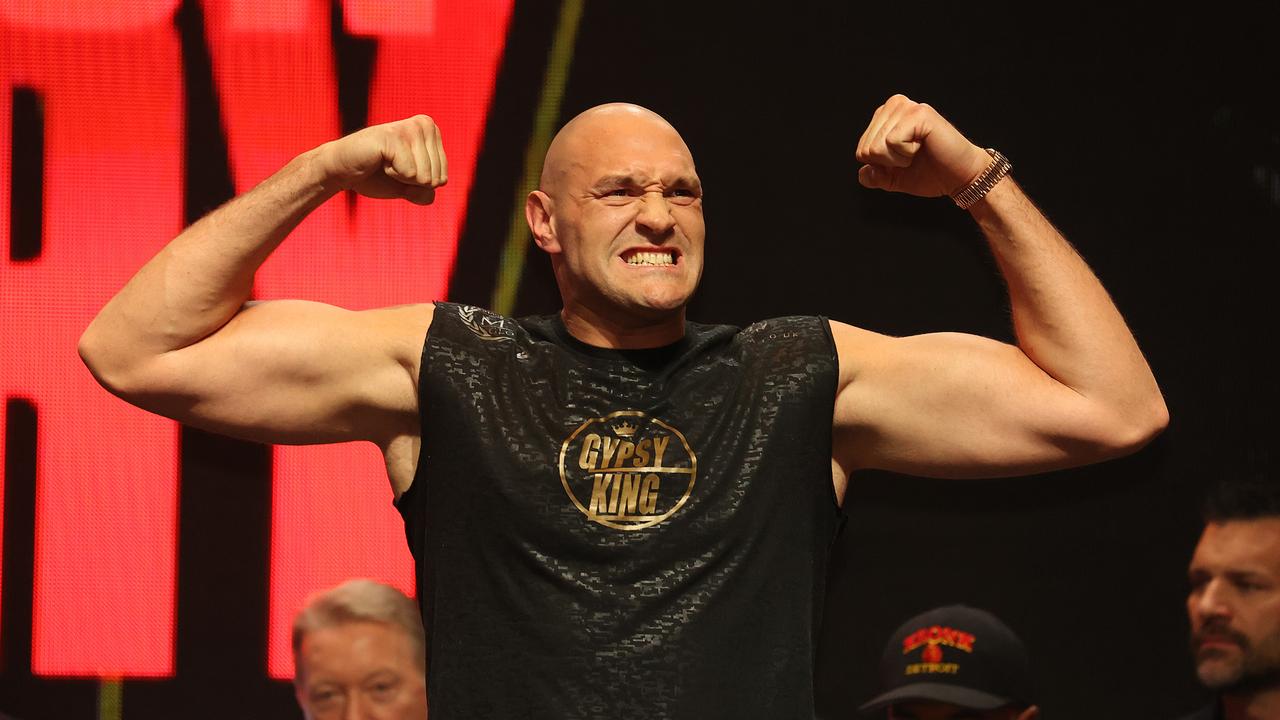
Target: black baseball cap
955, 654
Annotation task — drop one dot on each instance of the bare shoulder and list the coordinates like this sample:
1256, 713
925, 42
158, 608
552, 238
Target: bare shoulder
404, 327
407, 318
856, 349
403, 331
844, 333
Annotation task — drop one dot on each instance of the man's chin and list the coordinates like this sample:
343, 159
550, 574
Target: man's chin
659, 306
1234, 680
649, 315
1217, 671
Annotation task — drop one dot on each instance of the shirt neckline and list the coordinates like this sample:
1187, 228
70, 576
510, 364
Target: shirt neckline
651, 359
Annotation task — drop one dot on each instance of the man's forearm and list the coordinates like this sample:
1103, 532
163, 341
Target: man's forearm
202, 278
1064, 319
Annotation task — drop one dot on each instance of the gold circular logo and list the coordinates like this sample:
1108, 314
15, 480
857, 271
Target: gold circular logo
626, 470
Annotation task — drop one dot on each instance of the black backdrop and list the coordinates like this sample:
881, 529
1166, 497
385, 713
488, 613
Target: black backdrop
1149, 137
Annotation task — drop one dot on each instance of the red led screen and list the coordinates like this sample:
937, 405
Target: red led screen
109, 80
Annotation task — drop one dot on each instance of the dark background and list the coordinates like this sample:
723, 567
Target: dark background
1149, 137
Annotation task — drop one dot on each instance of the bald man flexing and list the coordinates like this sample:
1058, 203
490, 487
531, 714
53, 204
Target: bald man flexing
616, 512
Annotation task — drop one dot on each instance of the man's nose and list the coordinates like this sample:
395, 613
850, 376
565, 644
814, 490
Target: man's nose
655, 213
1213, 600
356, 709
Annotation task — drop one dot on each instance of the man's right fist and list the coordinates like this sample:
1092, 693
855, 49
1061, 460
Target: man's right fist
401, 159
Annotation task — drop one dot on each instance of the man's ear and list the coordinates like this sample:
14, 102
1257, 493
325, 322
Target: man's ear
1030, 713
537, 212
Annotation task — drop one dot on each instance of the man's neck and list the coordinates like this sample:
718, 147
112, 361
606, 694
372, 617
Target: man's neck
597, 330
1258, 705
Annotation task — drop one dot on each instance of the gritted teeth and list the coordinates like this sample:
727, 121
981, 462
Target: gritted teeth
661, 256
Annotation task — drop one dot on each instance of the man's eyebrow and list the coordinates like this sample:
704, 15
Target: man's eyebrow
625, 180
1247, 575
609, 181
690, 182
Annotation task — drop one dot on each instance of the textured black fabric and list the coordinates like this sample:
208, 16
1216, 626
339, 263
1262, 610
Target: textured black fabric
687, 584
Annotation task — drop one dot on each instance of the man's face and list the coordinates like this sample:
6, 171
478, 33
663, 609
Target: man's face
360, 670
947, 711
628, 217
1234, 603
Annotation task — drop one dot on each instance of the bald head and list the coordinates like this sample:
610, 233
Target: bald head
619, 211
602, 133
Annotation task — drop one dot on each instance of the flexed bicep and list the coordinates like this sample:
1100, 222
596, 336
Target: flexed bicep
958, 405
292, 372
178, 339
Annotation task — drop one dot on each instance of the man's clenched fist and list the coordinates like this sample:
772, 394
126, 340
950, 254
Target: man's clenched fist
401, 159
908, 147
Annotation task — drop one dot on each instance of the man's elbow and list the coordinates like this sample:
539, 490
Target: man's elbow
94, 354
1133, 430
114, 370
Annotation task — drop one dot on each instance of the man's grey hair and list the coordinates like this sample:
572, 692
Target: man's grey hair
360, 600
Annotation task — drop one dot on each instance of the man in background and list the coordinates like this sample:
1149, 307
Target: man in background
359, 651
1234, 602
951, 663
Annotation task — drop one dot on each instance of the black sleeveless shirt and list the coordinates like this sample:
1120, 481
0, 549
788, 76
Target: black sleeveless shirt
622, 534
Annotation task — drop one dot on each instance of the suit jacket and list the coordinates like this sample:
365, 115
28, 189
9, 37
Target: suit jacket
1212, 711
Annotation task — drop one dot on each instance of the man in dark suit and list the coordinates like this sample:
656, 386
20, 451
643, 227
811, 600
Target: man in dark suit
1234, 602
